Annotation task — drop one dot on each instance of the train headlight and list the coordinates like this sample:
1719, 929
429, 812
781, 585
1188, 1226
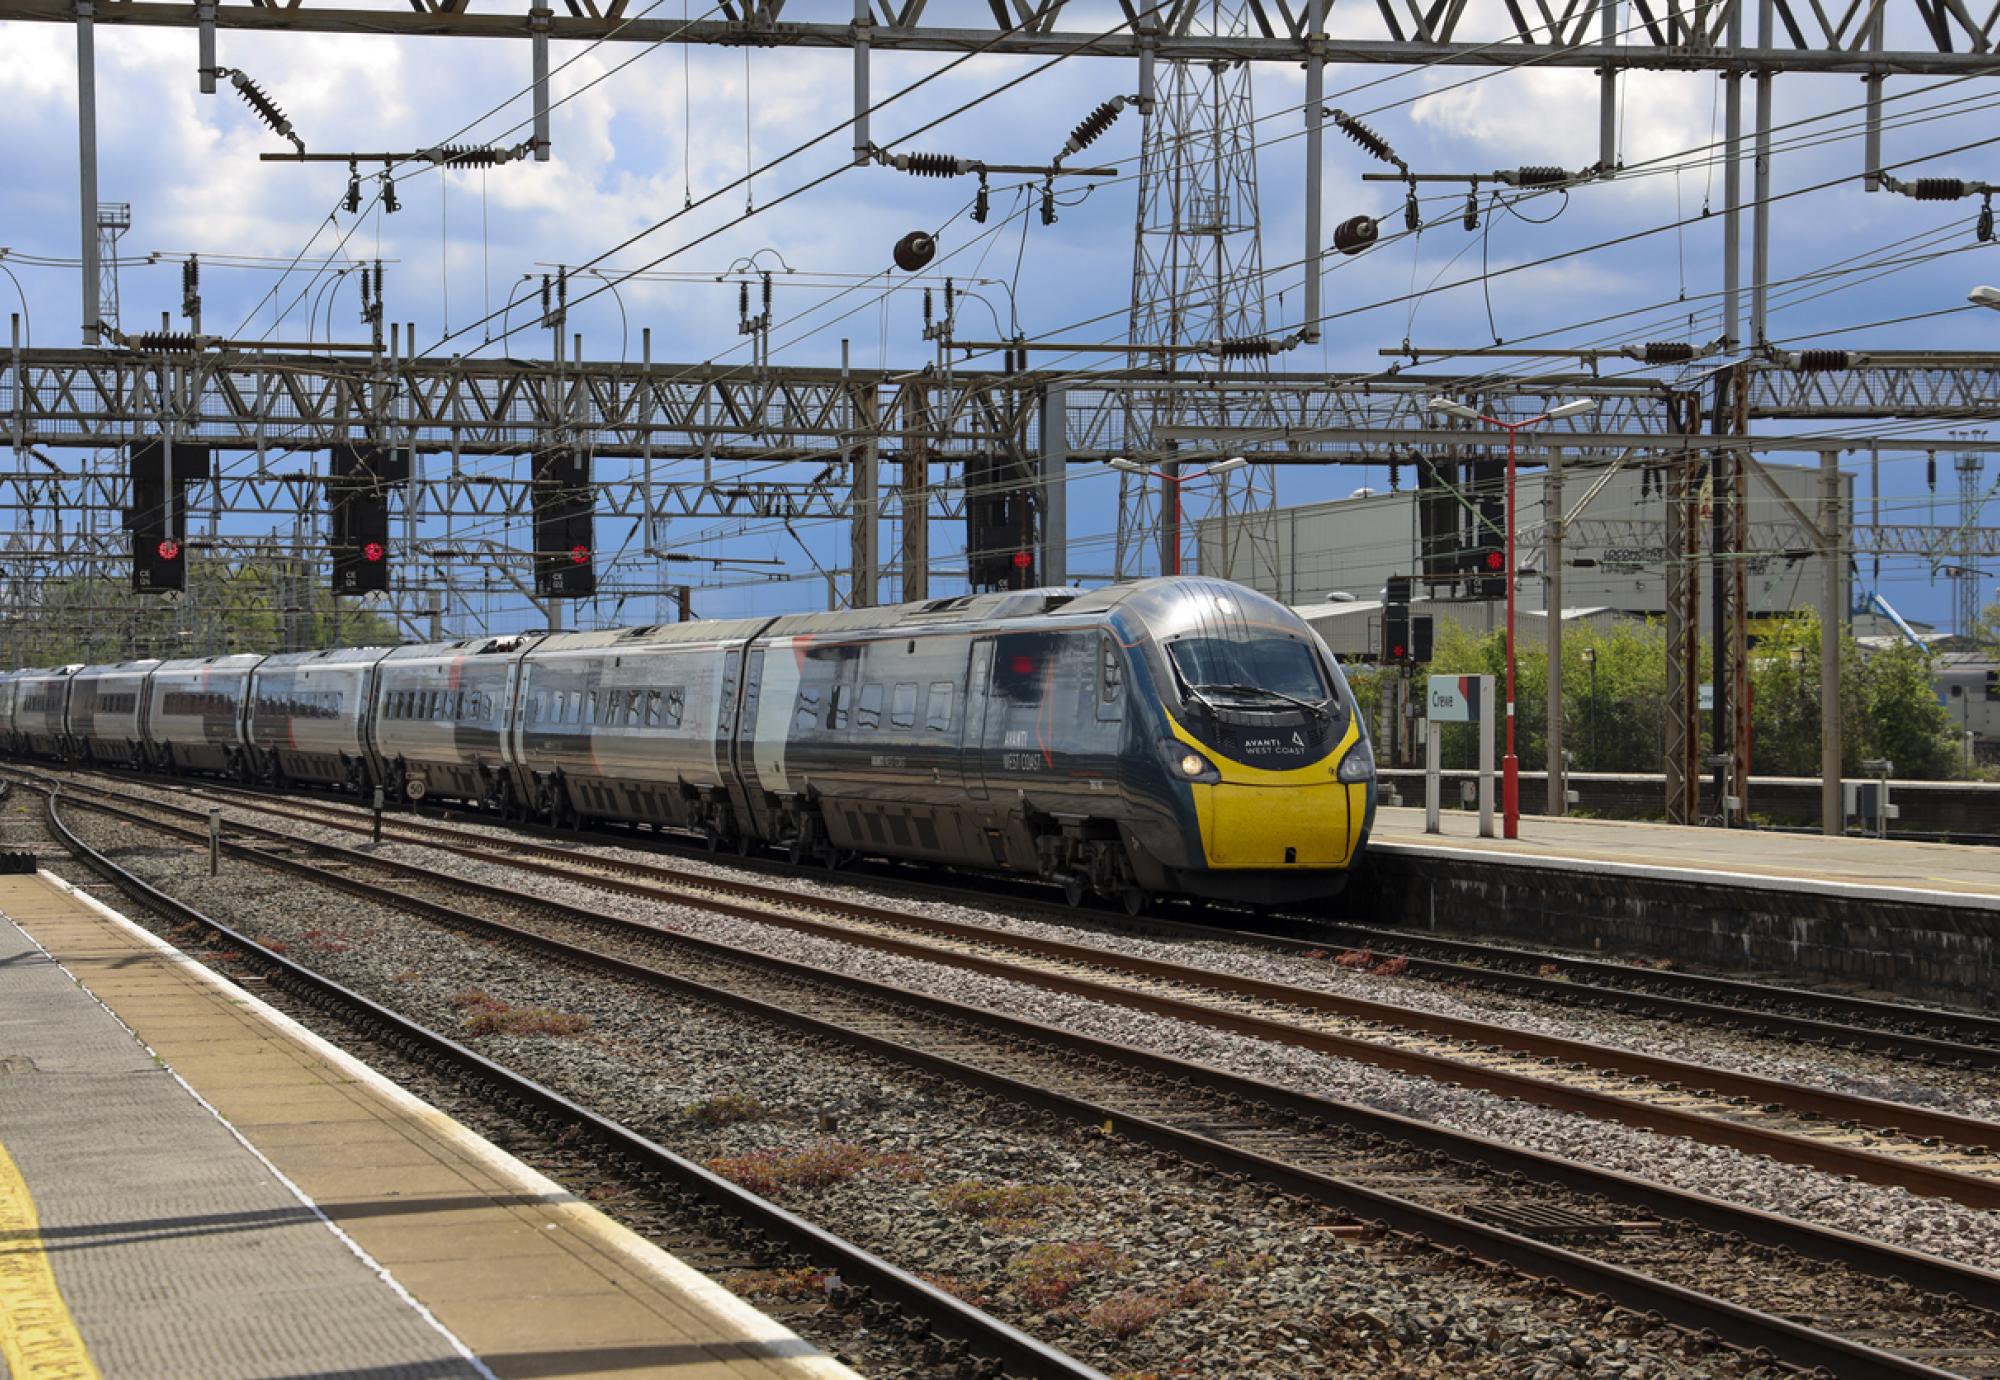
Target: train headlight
1359, 764
1185, 763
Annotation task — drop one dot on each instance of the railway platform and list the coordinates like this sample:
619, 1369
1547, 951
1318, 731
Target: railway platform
1893, 869
1870, 916
193, 1184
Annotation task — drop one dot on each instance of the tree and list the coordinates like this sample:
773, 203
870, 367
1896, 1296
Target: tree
227, 608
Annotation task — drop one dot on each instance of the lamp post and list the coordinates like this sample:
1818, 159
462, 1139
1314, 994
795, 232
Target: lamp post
1175, 481
1510, 764
1983, 296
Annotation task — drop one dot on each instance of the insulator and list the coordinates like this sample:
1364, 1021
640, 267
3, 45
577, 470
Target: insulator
927, 306
364, 284
1668, 352
562, 288
1930, 471
266, 108
1472, 209
1367, 138
1413, 214
1395, 475
930, 164
1985, 226
1820, 361
1355, 234
1246, 347
547, 300
982, 204
743, 300
379, 281
168, 340
1048, 203
1540, 176
1091, 126
950, 298
353, 201
767, 294
468, 155
1938, 189
389, 203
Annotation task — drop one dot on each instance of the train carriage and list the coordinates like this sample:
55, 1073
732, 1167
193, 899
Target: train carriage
195, 717
41, 709
1170, 736
107, 712
440, 719
634, 724
308, 719
9, 681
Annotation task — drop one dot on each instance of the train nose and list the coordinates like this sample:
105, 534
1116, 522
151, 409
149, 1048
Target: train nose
1279, 825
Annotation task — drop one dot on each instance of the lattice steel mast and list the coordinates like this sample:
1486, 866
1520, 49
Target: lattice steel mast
1197, 284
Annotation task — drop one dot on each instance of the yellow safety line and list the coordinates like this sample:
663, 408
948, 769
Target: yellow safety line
38, 1337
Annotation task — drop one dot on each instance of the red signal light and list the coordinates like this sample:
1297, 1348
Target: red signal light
1022, 560
579, 555
1398, 652
1493, 560
1024, 666
168, 550
373, 551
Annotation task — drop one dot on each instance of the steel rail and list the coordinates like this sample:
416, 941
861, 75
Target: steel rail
1831, 1157
981, 1333
1508, 1252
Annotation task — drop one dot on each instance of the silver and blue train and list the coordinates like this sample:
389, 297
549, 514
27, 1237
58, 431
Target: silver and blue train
1179, 736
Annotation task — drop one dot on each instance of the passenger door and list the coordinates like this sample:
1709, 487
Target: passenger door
972, 724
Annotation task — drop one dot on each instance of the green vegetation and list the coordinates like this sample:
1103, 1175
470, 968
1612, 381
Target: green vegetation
244, 607
1614, 710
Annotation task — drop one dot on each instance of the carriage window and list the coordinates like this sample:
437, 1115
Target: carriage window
840, 705
868, 712
633, 700
807, 714
903, 708
938, 714
676, 705
652, 709
1110, 670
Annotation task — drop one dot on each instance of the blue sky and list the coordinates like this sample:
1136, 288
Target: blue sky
631, 147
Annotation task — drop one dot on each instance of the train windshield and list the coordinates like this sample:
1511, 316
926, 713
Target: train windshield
1273, 670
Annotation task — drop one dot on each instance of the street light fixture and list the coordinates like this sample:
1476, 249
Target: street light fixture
1984, 296
1510, 826
1127, 465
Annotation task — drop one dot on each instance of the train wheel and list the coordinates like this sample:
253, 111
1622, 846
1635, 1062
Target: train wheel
831, 858
744, 844
1075, 891
1134, 900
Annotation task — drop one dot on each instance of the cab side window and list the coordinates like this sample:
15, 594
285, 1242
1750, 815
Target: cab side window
1110, 671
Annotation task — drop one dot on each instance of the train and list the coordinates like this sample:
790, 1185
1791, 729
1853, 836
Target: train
1167, 737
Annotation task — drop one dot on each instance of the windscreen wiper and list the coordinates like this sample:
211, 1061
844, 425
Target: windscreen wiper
1317, 709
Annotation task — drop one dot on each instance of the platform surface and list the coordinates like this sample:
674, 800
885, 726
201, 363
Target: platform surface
1951, 872
234, 1197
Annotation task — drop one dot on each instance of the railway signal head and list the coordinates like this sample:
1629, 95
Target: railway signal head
579, 555
374, 551
168, 550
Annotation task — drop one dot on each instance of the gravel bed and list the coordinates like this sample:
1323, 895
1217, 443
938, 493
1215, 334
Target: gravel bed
1974, 1093
1893, 1215
1216, 1281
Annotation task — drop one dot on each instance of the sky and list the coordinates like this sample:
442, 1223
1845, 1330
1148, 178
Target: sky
640, 131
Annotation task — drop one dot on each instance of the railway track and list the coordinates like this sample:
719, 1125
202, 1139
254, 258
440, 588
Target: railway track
1954, 1039
1850, 1305
952, 1332
1920, 1149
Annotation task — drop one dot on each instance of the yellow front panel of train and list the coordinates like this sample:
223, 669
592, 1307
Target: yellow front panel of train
1254, 826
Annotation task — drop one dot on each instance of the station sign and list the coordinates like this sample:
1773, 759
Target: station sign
1453, 699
